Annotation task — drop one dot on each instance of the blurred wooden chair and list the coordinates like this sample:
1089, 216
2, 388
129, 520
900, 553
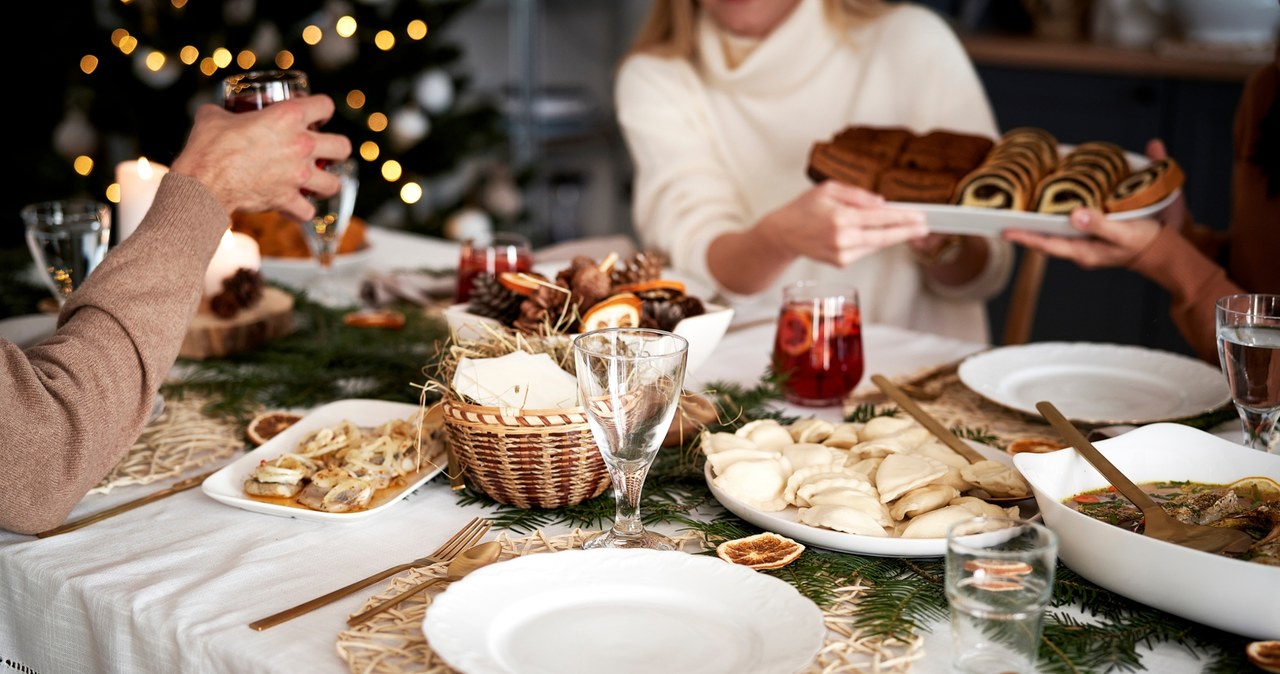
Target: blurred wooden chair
1023, 300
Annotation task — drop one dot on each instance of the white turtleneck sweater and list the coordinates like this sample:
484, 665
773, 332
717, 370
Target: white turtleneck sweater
716, 147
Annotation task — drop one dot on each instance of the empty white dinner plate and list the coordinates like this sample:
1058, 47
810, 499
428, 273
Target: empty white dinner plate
1094, 383
623, 612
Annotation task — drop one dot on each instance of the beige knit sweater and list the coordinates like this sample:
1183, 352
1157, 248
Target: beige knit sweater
72, 405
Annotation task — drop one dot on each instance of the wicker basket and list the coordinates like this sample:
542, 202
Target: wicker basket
526, 458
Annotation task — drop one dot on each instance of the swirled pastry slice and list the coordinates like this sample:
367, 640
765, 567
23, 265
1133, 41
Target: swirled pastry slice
991, 187
1063, 191
1146, 186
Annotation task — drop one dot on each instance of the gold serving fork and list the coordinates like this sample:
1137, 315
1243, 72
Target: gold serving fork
464, 539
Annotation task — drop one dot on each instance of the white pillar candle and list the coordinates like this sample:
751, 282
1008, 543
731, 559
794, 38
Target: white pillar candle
138, 182
236, 251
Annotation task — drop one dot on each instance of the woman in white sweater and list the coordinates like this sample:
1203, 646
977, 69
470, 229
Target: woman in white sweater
720, 102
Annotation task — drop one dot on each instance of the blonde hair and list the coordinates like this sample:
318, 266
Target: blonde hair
670, 28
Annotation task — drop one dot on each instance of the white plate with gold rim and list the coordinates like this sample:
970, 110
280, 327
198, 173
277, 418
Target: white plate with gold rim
623, 612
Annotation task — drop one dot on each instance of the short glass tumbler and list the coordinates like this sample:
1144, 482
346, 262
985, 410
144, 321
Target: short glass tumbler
817, 348
999, 581
68, 239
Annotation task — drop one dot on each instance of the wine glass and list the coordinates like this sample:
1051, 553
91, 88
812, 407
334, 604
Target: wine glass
324, 230
256, 89
1248, 328
67, 238
629, 383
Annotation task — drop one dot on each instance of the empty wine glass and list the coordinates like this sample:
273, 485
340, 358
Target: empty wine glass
629, 383
1248, 328
324, 230
256, 89
67, 238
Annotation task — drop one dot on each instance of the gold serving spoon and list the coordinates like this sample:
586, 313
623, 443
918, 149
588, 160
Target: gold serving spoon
1159, 524
470, 560
939, 431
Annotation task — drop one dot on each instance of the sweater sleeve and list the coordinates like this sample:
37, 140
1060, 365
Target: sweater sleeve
683, 197
1194, 283
76, 402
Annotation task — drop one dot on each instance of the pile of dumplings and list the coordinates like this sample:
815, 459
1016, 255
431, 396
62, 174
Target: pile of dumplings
886, 477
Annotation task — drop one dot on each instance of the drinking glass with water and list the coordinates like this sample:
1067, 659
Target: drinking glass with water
68, 238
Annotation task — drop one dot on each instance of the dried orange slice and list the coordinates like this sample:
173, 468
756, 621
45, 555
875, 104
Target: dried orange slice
1257, 488
761, 551
616, 311
269, 424
795, 332
1265, 655
660, 286
388, 319
520, 283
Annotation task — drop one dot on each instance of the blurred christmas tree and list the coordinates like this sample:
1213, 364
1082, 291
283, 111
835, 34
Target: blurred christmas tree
123, 78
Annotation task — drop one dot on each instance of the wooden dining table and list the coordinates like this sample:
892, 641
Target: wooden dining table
172, 586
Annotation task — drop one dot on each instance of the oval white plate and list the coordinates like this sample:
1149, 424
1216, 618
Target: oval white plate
1096, 383
622, 612
948, 219
227, 485
1230, 594
784, 522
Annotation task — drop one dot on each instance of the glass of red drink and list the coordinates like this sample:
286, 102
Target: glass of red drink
506, 251
817, 348
256, 89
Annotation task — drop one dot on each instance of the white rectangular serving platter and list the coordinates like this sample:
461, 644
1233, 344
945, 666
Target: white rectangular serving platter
947, 219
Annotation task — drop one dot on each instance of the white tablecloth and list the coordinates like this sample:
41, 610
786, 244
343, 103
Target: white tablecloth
172, 586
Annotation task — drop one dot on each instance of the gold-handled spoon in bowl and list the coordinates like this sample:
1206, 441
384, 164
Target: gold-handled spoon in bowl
470, 560
1158, 523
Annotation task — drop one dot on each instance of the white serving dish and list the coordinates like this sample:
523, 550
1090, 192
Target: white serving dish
703, 332
784, 522
1229, 594
227, 485
625, 612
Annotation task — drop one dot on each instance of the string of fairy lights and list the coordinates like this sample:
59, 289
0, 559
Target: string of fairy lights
211, 64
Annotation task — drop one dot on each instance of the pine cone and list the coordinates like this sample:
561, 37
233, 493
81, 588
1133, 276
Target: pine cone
492, 299
645, 265
543, 312
665, 314
240, 291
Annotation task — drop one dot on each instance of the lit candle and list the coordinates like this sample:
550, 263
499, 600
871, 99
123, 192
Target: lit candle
138, 182
236, 251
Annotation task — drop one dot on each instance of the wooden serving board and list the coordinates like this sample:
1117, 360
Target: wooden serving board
210, 336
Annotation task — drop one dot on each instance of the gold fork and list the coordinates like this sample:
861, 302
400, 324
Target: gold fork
466, 537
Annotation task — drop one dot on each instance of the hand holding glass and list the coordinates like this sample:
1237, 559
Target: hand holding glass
999, 580
256, 89
67, 238
1248, 328
629, 383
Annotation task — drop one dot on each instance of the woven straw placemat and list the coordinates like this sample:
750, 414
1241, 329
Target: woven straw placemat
181, 438
393, 643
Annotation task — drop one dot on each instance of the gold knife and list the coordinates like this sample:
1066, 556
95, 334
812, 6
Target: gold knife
180, 486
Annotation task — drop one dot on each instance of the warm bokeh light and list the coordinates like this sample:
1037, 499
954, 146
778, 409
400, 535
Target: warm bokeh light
113, 193
417, 29
128, 43
222, 57
208, 66
188, 54
377, 122
411, 193
369, 150
312, 34
355, 99
88, 64
178, 4
284, 59
246, 59
117, 35
83, 165
155, 61
346, 26
385, 40
391, 170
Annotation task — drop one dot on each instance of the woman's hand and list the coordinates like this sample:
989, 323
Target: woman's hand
837, 224
1109, 243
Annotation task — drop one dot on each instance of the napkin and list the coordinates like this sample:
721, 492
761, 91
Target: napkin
518, 380
422, 288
